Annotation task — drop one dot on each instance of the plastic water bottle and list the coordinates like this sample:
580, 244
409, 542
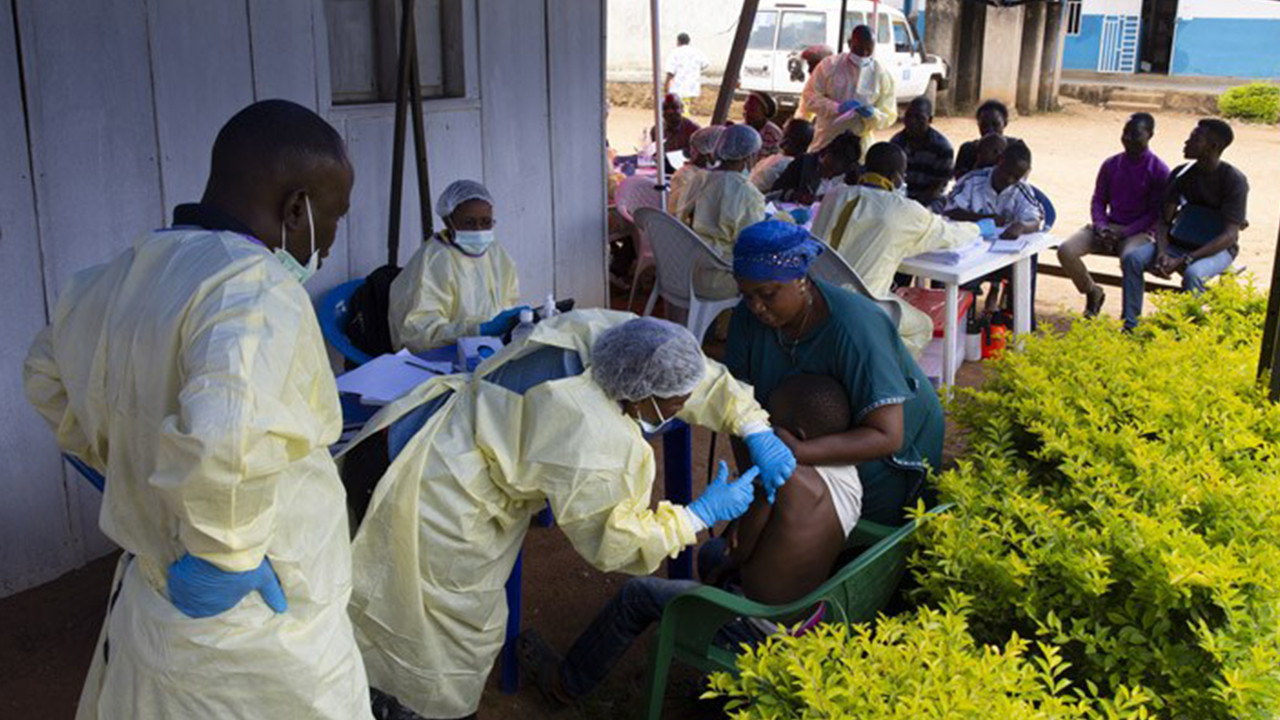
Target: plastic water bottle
548, 308
525, 327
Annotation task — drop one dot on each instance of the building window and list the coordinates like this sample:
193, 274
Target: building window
364, 41
1074, 11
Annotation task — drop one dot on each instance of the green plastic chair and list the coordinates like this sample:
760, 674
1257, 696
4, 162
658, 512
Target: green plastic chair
856, 593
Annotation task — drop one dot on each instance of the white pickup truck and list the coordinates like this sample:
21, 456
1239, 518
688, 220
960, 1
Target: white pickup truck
783, 30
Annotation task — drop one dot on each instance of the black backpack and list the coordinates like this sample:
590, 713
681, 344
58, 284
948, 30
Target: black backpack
367, 326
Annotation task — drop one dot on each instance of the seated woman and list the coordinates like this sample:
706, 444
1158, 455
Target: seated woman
702, 147
788, 323
813, 175
780, 551
722, 204
459, 283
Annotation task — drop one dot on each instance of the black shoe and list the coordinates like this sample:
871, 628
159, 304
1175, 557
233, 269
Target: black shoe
1093, 301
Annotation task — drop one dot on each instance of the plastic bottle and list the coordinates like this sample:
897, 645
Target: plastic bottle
548, 308
525, 327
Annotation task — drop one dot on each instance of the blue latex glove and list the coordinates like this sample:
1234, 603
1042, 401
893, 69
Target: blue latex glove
201, 589
724, 500
801, 215
866, 111
774, 459
848, 105
502, 322
987, 227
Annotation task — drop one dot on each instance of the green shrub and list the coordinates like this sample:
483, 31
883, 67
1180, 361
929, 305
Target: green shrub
920, 667
1255, 102
1119, 500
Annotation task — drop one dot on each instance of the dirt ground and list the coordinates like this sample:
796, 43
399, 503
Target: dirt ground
1068, 147
47, 634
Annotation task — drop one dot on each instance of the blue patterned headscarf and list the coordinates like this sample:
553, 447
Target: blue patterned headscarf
774, 251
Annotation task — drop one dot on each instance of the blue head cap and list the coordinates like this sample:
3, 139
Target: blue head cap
774, 251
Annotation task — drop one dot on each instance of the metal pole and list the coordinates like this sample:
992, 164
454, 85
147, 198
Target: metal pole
419, 132
746, 19
659, 139
1270, 356
397, 147
844, 29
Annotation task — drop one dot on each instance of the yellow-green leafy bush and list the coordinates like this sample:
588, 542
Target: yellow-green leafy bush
1256, 102
922, 666
1120, 500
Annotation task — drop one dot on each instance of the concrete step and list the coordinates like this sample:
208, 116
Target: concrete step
1137, 96
1134, 106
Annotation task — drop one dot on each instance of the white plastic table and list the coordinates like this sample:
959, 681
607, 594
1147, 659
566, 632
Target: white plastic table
970, 269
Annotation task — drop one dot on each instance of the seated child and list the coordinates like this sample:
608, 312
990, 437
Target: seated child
780, 552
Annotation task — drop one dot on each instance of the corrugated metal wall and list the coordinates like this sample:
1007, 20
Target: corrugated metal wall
108, 110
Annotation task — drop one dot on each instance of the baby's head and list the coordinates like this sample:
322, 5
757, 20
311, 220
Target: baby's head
810, 406
989, 151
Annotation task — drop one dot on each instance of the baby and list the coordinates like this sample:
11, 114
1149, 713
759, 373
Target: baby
782, 552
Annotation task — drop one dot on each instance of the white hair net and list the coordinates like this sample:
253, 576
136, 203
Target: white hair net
458, 192
703, 141
738, 142
647, 357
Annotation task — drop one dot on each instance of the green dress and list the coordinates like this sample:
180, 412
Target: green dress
858, 346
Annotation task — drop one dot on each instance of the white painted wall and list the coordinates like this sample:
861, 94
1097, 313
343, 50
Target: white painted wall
123, 100
1239, 9
1112, 7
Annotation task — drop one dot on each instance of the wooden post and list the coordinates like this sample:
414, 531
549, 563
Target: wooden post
734, 67
1270, 357
659, 138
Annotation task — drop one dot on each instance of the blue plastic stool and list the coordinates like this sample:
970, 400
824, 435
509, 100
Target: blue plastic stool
334, 311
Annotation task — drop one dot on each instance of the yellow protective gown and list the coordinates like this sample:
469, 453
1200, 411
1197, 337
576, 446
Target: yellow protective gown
837, 79
447, 520
191, 372
443, 294
718, 207
688, 175
875, 230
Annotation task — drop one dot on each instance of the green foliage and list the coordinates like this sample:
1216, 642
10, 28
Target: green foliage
1255, 102
1120, 501
921, 666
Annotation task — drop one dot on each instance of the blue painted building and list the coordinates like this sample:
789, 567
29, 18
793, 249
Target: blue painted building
1228, 38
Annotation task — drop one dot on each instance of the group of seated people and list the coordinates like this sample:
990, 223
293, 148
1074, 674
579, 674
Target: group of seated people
832, 421
855, 427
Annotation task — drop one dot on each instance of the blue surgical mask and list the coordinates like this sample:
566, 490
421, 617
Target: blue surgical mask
303, 273
473, 242
664, 423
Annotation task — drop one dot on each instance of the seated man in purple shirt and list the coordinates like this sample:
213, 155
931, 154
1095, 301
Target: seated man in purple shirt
1126, 204
1198, 231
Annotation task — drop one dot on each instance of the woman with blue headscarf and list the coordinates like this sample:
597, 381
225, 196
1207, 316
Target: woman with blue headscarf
789, 323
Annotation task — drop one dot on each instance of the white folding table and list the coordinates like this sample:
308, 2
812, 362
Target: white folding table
970, 269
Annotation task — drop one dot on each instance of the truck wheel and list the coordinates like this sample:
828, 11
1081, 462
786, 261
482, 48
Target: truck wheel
931, 91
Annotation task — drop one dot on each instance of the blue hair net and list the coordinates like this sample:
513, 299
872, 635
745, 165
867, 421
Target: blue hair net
647, 357
738, 142
774, 251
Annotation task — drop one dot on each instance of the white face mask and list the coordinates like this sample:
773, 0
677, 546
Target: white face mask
664, 423
862, 62
473, 242
290, 263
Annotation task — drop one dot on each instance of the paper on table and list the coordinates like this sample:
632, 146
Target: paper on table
676, 158
955, 256
387, 377
1016, 245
